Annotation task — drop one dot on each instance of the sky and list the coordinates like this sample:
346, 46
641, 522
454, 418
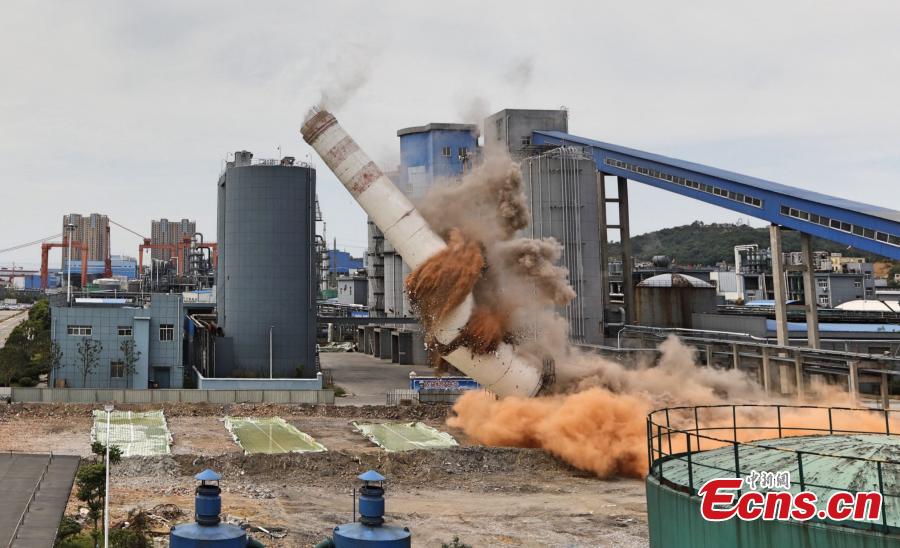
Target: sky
131, 108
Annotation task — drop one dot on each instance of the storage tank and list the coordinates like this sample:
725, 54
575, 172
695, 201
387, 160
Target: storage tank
208, 529
671, 300
824, 450
266, 271
370, 530
561, 186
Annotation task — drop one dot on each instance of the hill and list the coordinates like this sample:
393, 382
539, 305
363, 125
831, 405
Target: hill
707, 244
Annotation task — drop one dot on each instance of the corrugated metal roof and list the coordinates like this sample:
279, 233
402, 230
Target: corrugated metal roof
674, 280
824, 472
763, 184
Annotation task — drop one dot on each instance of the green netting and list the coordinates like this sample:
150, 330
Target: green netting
270, 435
135, 433
403, 436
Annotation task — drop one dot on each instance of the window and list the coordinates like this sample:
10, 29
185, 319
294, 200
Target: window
79, 330
124, 330
446, 151
857, 283
823, 284
463, 153
166, 332
116, 369
823, 300
526, 141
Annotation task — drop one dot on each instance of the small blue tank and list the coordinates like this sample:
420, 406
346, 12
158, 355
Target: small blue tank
370, 531
208, 531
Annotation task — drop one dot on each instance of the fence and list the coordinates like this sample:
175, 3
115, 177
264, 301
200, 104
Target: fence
406, 396
778, 369
97, 395
688, 445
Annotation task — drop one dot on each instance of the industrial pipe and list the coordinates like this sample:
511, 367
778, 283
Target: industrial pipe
502, 372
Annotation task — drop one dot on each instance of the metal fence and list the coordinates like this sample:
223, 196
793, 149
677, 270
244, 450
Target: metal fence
407, 396
778, 369
95, 395
680, 439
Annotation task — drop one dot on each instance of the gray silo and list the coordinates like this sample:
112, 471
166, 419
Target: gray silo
562, 194
266, 274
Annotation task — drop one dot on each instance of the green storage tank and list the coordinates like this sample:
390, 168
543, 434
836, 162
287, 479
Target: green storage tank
820, 458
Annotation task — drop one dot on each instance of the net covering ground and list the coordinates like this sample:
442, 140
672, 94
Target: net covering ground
271, 435
404, 436
141, 434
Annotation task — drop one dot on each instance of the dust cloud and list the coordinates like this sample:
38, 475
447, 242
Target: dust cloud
348, 73
594, 415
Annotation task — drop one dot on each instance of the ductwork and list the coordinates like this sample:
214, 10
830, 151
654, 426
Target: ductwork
502, 372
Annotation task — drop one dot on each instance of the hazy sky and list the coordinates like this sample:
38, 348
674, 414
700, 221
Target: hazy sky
130, 108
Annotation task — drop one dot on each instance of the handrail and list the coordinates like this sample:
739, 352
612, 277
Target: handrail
21, 520
660, 432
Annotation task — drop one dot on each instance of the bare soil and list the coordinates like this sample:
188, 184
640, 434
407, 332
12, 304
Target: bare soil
485, 496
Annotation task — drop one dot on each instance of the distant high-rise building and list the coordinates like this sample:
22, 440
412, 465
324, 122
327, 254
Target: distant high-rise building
165, 231
91, 230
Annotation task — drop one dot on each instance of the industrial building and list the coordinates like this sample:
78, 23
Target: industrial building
561, 187
428, 154
91, 230
166, 232
154, 325
267, 271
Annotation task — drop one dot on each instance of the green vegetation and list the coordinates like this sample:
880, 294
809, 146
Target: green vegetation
27, 353
707, 244
455, 543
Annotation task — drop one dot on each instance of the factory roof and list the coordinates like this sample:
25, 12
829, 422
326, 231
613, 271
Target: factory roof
674, 280
878, 306
435, 126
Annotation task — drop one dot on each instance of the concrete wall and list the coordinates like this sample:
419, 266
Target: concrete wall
510, 130
204, 383
353, 291
159, 360
266, 274
93, 395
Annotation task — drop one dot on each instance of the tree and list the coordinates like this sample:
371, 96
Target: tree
89, 358
131, 355
54, 361
99, 449
91, 483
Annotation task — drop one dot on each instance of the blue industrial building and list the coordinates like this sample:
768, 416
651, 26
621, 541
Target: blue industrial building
342, 263
435, 151
121, 266
155, 327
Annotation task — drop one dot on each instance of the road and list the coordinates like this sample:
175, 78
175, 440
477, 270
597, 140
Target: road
9, 319
366, 379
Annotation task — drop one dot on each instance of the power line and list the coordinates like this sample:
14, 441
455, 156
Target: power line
35, 242
141, 236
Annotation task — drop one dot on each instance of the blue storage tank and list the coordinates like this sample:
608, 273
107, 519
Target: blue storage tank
208, 531
370, 531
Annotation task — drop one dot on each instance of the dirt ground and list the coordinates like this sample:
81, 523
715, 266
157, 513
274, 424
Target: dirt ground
485, 496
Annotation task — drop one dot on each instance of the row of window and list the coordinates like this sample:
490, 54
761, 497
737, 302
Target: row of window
446, 152
166, 331
849, 228
675, 179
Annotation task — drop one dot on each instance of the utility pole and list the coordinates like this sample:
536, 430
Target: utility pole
271, 327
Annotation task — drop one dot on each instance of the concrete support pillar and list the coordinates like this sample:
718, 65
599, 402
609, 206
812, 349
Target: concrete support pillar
604, 245
709, 355
625, 235
885, 389
809, 291
781, 327
853, 382
798, 374
766, 376
735, 357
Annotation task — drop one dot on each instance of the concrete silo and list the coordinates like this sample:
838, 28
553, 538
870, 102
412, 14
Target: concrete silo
266, 273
